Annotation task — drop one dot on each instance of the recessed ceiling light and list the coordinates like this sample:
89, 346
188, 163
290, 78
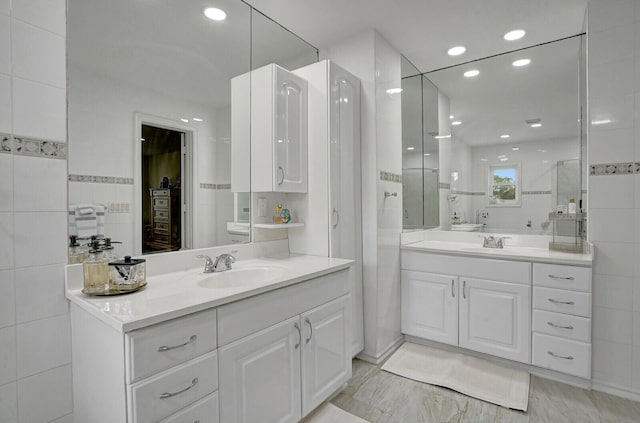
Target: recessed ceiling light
600, 122
502, 156
394, 90
521, 62
536, 125
472, 73
440, 137
504, 136
516, 148
185, 120
504, 159
427, 154
197, 119
411, 148
456, 51
484, 160
514, 35
215, 14
456, 123
450, 116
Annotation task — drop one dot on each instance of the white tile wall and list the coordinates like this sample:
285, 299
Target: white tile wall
614, 222
35, 347
7, 299
9, 403
43, 344
43, 397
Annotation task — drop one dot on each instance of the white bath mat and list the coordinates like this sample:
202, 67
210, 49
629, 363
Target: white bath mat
329, 413
468, 375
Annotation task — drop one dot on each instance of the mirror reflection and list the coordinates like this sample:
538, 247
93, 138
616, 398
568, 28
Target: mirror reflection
150, 119
505, 136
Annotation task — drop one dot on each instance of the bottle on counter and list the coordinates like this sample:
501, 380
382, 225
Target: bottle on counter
572, 206
77, 253
95, 270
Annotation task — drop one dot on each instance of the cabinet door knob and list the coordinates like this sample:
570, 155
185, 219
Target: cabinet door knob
190, 341
166, 395
306, 319
295, 325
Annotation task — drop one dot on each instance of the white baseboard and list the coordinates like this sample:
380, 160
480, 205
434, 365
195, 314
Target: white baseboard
384, 354
618, 391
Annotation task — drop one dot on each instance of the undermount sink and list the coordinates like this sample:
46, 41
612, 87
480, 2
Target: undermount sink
238, 278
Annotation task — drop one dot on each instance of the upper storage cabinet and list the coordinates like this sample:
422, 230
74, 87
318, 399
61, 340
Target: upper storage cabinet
278, 130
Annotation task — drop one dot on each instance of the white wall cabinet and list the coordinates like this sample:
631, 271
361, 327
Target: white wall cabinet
278, 130
282, 373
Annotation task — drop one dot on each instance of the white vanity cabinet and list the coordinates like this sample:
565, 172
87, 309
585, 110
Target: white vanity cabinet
284, 370
562, 318
489, 313
278, 130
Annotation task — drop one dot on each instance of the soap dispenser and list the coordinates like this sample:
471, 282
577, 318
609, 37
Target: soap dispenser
76, 253
95, 270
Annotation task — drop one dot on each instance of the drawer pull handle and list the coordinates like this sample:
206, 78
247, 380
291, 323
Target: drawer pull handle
310, 327
553, 325
190, 341
281, 171
565, 357
566, 278
166, 395
464, 287
453, 293
295, 325
560, 302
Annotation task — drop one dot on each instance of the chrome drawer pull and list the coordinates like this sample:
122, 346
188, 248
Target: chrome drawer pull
190, 341
566, 278
166, 395
453, 293
560, 302
295, 325
553, 325
306, 319
464, 288
566, 357
281, 169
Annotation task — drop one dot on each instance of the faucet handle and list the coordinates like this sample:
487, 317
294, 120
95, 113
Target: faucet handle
208, 264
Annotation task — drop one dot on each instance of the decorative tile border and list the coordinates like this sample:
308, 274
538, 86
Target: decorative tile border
390, 177
444, 185
601, 169
215, 186
536, 192
96, 179
32, 147
467, 192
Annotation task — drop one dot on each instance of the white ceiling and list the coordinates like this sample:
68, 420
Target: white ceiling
423, 30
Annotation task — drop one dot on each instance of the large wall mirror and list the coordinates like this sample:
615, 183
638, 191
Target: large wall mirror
150, 112
497, 143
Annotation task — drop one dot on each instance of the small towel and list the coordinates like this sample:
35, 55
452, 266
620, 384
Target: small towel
86, 220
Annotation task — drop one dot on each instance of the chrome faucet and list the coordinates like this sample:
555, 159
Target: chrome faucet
224, 260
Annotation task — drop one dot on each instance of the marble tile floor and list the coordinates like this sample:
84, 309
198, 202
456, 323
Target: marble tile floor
382, 397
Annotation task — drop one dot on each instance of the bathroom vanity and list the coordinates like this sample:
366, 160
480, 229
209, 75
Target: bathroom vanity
522, 303
267, 341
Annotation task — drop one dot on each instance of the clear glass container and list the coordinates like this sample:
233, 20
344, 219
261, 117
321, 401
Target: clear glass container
568, 232
77, 254
127, 274
95, 270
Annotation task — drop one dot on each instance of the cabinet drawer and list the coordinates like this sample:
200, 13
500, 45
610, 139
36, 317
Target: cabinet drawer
242, 318
564, 277
562, 325
161, 226
202, 411
160, 192
161, 203
161, 215
164, 345
563, 355
165, 393
562, 301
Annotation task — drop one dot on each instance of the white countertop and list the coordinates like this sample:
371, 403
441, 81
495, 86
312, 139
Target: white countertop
510, 252
177, 294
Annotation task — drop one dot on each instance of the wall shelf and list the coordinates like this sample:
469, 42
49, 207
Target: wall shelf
278, 225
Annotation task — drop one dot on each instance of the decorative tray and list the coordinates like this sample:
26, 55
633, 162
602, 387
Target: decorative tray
115, 291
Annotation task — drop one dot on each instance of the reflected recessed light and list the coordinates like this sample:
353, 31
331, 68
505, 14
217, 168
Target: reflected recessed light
450, 116
142, 139
472, 73
394, 90
456, 123
484, 160
536, 125
600, 122
502, 156
504, 159
456, 51
514, 35
440, 137
504, 136
411, 148
427, 154
521, 62
197, 119
542, 151
185, 120
215, 14
515, 148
